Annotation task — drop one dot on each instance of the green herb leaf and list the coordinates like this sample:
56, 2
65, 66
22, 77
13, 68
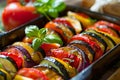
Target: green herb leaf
50, 7
32, 31
36, 43
41, 35
53, 38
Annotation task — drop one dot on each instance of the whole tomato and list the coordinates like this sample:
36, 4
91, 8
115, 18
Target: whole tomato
15, 14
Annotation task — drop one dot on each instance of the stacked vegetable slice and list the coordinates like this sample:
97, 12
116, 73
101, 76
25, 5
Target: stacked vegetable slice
60, 50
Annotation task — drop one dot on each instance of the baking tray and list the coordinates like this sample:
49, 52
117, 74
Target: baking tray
94, 71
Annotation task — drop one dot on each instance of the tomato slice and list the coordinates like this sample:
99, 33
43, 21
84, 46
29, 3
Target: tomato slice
64, 32
32, 73
114, 38
34, 55
15, 57
72, 56
27, 61
63, 21
95, 46
107, 29
66, 54
109, 24
48, 46
66, 23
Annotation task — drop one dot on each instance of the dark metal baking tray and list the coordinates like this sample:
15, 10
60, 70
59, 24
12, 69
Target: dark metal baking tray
93, 72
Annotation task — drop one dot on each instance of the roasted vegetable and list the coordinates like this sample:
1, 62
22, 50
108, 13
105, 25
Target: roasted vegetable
84, 19
4, 75
30, 74
8, 64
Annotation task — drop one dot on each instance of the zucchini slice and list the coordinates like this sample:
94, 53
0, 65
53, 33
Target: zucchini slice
50, 61
4, 75
50, 72
110, 43
27, 61
100, 40
97, 39
8, 64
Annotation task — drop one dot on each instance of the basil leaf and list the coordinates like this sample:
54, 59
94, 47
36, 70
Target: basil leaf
32, 31
53, 13
49, 7
53, 38
36, 43
42, 33
59, 5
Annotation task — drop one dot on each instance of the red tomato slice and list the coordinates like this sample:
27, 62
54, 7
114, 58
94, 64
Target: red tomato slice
33, 73
15, 57
63, 21
104, 28
71, 58
93, 44
48, 46
53, 26
109, 24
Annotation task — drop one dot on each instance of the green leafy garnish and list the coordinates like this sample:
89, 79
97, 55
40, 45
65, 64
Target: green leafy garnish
49, 7
40, 36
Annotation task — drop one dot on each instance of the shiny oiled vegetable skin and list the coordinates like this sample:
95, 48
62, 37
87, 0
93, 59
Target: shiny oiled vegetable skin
57, 61
76, 54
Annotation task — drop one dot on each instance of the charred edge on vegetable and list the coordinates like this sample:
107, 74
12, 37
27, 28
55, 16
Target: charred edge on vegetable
98, 38
60, 65
26, 56
83, 43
